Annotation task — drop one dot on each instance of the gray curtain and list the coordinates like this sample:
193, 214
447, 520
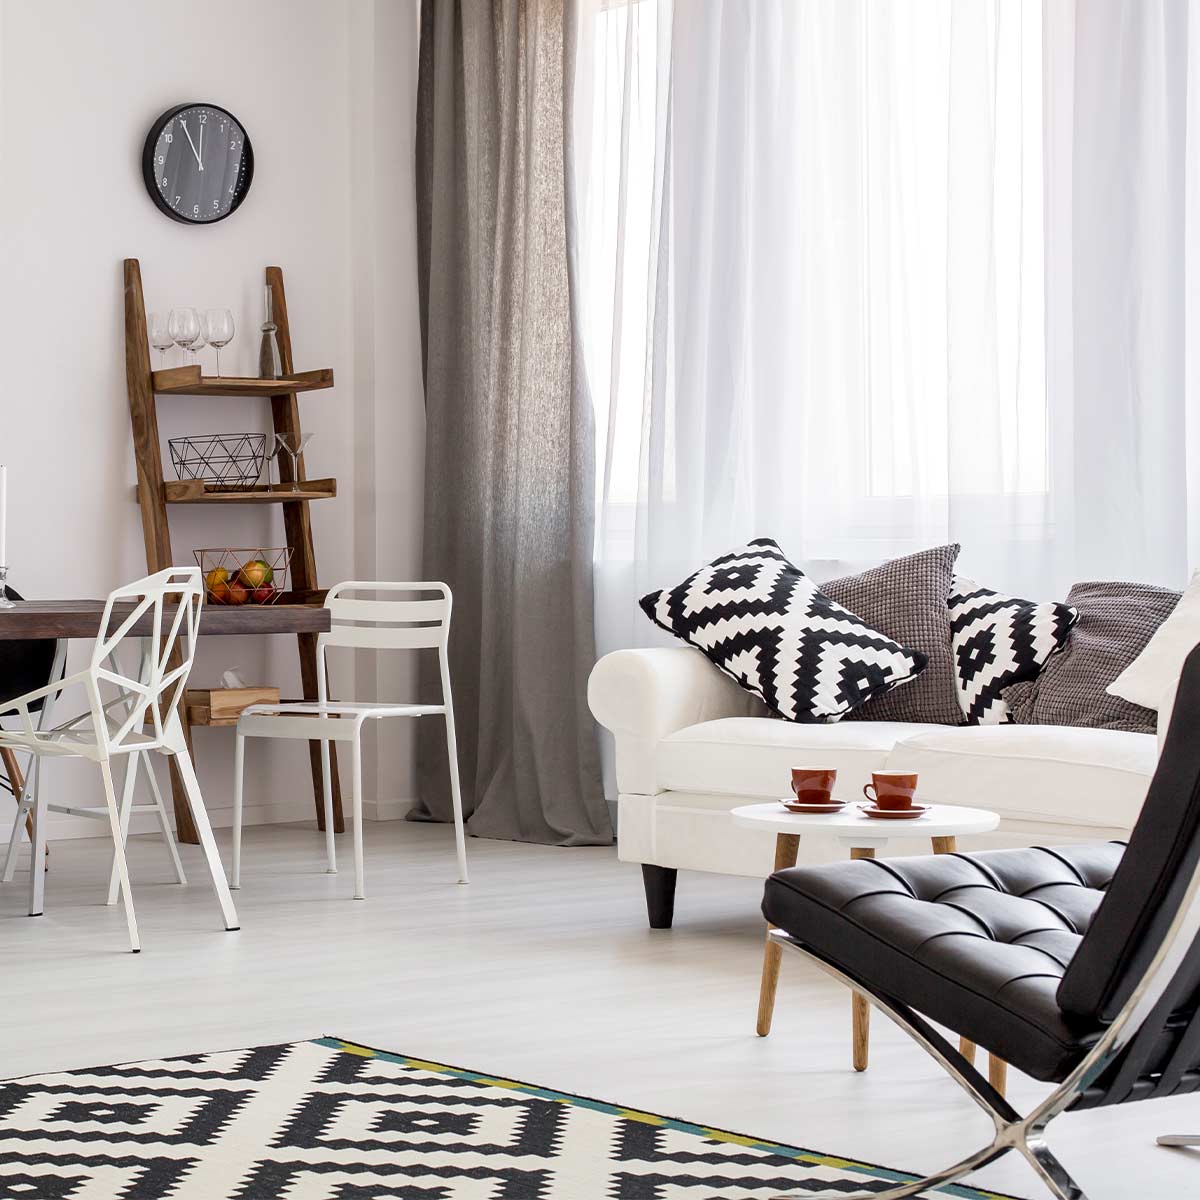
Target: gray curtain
509, 461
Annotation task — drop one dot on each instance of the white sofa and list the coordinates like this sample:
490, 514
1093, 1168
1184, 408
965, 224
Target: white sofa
691, 745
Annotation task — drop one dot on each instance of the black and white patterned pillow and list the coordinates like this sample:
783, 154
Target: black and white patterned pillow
765, 623
1000, 640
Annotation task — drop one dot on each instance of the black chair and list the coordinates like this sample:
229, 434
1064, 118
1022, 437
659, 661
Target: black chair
1079, 966
25, 666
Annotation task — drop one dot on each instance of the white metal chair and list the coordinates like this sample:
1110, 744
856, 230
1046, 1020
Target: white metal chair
125, 715
134, 761
377, 624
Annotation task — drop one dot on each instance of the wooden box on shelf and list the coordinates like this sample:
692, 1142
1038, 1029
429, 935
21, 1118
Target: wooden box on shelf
223, 706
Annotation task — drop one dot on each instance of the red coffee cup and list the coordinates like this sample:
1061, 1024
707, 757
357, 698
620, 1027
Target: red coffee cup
813, 785
893, 789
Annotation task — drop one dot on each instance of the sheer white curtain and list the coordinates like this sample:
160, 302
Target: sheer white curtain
871, 275
811, 240
1122, 127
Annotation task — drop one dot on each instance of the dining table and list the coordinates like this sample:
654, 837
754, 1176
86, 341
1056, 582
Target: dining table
81, 619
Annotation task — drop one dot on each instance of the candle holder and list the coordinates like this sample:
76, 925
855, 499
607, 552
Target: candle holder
5, 602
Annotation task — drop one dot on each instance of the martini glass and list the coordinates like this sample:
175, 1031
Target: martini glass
292, 444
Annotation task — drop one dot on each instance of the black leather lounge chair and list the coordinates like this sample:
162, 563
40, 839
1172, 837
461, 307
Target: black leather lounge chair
1079, 966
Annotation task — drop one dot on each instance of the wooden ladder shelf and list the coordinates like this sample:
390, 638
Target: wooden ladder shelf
155, 493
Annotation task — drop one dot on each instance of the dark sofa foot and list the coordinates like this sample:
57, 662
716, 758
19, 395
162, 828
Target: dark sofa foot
660, 894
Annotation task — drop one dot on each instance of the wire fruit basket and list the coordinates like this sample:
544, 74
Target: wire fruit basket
227, 462
245, 576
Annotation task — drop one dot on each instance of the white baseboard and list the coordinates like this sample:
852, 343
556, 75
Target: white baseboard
386, 810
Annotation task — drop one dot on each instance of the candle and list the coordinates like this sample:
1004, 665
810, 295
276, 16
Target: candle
3, 516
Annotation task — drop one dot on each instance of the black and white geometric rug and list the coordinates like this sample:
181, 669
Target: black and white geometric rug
330, 1120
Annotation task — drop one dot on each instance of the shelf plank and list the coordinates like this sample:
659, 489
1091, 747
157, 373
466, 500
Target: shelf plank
193, 491
188, 381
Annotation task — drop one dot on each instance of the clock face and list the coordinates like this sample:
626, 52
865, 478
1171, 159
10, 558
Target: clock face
197, 163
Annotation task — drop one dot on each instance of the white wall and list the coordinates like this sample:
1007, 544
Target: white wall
325, 90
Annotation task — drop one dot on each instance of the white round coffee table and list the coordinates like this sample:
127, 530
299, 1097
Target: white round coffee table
862, 835
851, 827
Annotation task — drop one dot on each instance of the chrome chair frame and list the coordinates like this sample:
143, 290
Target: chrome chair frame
1152, 999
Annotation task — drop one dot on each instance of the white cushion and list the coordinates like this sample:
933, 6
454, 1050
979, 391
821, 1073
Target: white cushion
754, 756
1049, 773
1151, 679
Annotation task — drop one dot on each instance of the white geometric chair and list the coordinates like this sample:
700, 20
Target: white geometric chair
134, 761
375, 624
125, 716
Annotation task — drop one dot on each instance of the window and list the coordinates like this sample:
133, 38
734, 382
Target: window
812, 260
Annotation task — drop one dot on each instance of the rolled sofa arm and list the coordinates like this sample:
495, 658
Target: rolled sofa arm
644, 695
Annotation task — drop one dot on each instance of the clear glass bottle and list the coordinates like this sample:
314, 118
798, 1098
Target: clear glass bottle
268, 350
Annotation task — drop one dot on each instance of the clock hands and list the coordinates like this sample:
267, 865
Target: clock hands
200, 155
183, 125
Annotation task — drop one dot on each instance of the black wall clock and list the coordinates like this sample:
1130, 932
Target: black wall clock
198, 163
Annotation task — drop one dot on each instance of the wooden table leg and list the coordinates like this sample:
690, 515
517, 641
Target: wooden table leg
17, 782
308, 685
997, 1073
997, 1067
185, 827
860, 1007
178, 748
787, 847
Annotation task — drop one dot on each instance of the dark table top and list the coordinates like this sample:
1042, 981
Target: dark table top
81, 619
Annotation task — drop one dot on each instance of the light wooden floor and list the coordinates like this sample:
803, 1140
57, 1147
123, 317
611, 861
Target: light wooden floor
543, 970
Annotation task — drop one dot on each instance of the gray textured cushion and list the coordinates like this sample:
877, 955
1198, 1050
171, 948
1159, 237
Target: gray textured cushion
1116, 620
907, 599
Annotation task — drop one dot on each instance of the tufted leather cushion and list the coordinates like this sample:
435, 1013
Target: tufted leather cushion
977, 942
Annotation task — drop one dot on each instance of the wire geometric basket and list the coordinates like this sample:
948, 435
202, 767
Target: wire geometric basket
228, 462
245, 576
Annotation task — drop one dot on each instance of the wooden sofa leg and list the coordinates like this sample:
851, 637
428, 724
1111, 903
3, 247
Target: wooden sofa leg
659, 883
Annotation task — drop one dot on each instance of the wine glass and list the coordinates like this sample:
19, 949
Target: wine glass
218, 329
184, 327
293, 445
160, 336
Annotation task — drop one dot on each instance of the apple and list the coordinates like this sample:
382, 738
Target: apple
255, 573
263, 594
217, 583
238, 592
